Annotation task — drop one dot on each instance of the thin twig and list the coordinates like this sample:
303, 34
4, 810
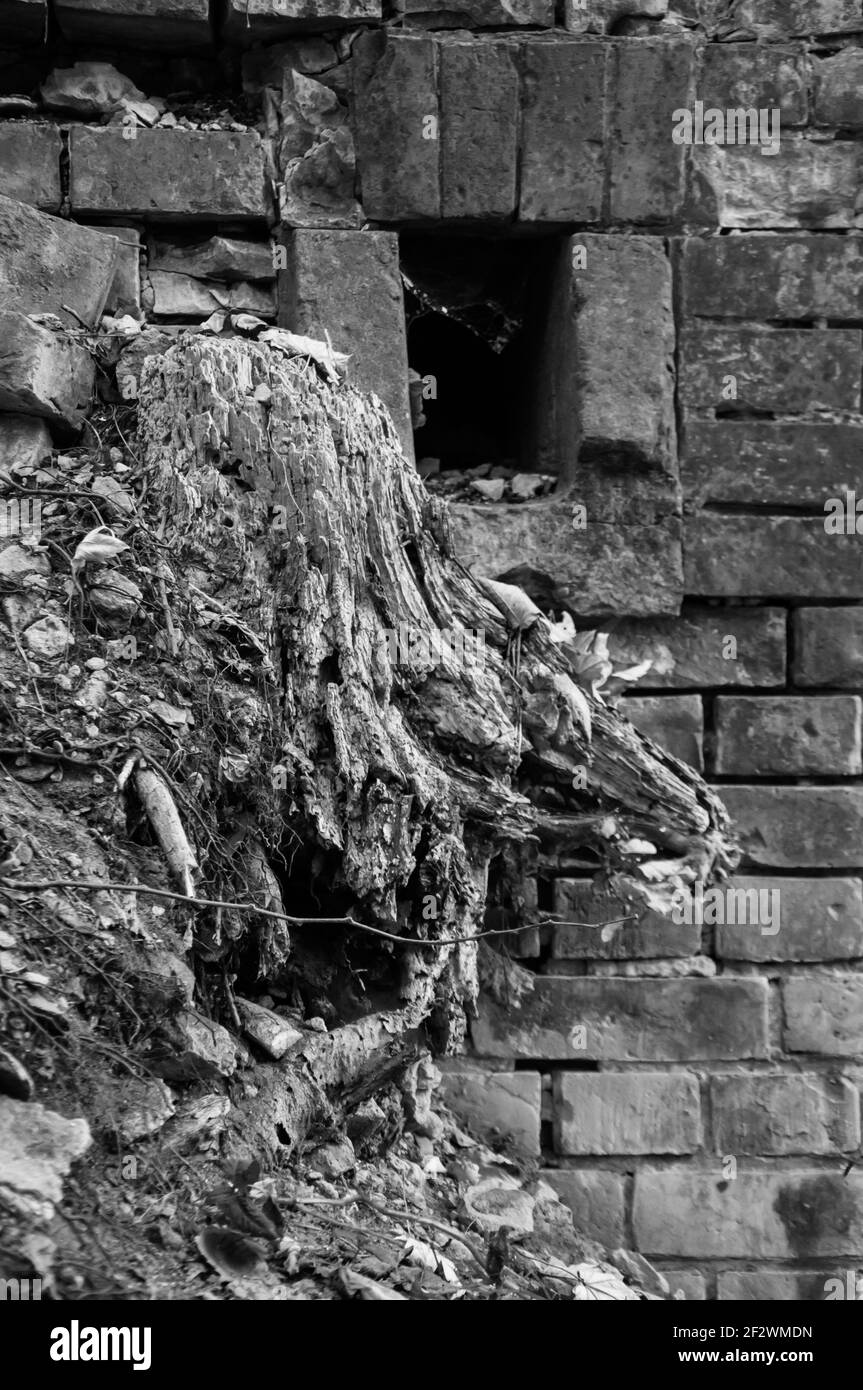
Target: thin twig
96, 886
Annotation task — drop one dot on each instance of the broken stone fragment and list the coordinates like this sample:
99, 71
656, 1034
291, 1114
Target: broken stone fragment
131, 1108
47, 263
194, 1048
267, 1029
37, 1149
182, 296
48, 638
334, 1159
24, 442
113, 596
18, 560
640, 1271
318, 187
219, 258
499, 1201
201, 1118
43, 373
88, 89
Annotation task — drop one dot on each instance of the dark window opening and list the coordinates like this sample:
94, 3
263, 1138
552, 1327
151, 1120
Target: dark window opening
476, 315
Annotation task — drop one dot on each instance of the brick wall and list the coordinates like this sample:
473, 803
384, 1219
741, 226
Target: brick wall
691, 1089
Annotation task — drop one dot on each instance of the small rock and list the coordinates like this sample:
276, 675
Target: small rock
365, 1123
497, 1202
88, 89
526, 485
113, 596
18, 560
48, 638
133, 1107
95, 663
195, 1048
489, 488
334, 1159
93, 693
640, 1271
203, 1117
267, 1029
37, 1149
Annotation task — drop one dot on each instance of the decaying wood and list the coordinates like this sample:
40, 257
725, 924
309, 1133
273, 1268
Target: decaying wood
412, 778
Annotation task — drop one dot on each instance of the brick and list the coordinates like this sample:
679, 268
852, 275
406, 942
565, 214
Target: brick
479, 129
652, 79
652, 935
818, 918
46, 263
395, 91
758, 1215
190, 173
626, 1113
596, 1200
778, 1285
624, 1020
798, 827
744, 75
828, 647
808, 183
706, 647
605, 569
688, 1283
171, 24
247, 21
788, 371
30, 164
606, 377
562, 140
23, 21
675, 722
496, 1105
348, 284
788, 736
124, 296
800, 1114
774, 557
479, 14
768, 463
772, 277
839, 90
824, 1014
217, 258
42, 373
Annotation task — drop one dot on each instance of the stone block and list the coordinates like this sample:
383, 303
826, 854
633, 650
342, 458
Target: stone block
775, 20
824, 1013
771, 277
479, 94
768, 78
46, 263
124, 296
787, 371
562, 140
788, 735
768, 463
629, 1020
478, 14
30, 164
626, 1113
218, 258
247, 21
675, 722
760, 1215
818, 919
828, 647
396, 115
809, 184
170, 173
502, 1105
770, 557
791, 1114
43, 373
778, 1285
651, 935
601, 570
651, 80
706, 647
839, 90
182, 296
164, 24
596, 1200
798, 827
349, 285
